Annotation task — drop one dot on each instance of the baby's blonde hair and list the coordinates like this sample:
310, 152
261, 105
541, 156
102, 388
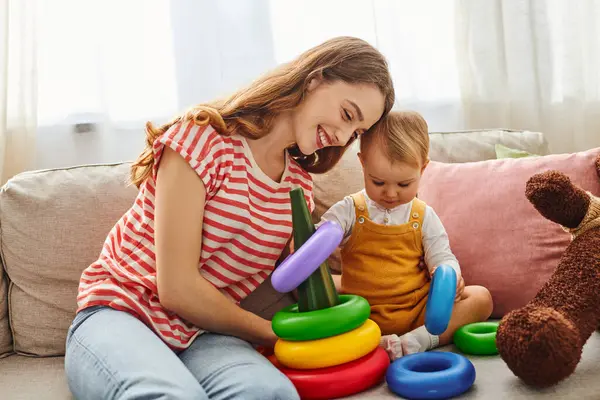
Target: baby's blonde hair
404, 136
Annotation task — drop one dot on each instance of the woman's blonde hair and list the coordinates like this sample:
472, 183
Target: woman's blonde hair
250, 111
404, 136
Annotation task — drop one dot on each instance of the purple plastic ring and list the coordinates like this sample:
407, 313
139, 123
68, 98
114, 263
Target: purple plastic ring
298, 266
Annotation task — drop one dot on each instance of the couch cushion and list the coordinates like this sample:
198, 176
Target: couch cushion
346, 177
5, 335
54, 223
507, 152
25, 378
460, 147
43, 378
499, 238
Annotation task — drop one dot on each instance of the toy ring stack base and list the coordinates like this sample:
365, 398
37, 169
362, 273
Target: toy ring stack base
430, 375
340, 380
342, 362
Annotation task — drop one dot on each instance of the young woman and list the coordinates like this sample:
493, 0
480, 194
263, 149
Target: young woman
157, 312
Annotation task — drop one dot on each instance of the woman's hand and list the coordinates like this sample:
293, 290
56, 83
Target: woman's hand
266, 351
270, 339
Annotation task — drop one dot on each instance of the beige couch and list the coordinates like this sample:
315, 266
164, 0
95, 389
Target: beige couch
53, 223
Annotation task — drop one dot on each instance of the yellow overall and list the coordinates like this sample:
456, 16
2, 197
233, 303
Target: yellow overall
381, 263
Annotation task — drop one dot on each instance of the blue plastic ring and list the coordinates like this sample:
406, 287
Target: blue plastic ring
430, 375
440, 302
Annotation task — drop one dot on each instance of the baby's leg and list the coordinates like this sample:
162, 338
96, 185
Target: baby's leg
475, 305
412, 337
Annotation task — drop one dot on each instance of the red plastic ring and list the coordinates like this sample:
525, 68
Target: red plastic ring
340, 380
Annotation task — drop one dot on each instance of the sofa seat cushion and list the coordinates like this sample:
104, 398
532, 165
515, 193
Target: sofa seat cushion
43, 378
494, 381
54, 223
26, 378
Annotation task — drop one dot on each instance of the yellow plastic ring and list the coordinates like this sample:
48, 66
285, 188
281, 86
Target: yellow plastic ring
330, 351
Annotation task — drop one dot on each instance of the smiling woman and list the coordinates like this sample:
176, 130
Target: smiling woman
333, 113
211, 219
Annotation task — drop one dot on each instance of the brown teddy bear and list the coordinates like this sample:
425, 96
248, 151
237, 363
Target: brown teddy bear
542, 342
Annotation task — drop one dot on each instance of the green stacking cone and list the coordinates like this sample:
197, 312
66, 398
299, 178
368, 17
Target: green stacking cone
318, 290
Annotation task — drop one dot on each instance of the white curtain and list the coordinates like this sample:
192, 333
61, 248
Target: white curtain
473, 64
18, 86
464, 64
532, 64
122, 62
417, 38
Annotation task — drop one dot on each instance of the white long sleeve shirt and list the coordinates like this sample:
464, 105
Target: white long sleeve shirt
436, 245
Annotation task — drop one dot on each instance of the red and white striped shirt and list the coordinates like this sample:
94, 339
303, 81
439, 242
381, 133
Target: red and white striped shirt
247, 223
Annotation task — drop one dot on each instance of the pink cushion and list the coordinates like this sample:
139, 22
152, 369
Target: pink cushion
499, 238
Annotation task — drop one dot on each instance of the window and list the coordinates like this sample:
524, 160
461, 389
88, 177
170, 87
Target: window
105, 59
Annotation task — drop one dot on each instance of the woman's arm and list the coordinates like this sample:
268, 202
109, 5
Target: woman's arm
337, 281
179, 210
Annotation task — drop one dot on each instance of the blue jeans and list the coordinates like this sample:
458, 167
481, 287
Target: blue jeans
112, 355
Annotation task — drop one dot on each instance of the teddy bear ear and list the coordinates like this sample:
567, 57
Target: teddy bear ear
598, 165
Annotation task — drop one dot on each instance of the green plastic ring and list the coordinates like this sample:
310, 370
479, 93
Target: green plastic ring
478, 338
351, 312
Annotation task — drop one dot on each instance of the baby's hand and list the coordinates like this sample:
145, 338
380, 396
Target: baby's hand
460, 286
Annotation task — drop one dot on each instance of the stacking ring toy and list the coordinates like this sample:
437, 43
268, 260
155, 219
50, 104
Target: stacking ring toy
442, 292
430, 375
302, 263
351, 312
340, 380
478, 338
330, 351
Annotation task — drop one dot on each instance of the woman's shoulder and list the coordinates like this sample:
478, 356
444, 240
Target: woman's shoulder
200, 143
191, 134
210, 154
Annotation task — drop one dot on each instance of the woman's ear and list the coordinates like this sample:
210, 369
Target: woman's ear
314, 82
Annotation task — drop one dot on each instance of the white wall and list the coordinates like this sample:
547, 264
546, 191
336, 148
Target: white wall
59, 146
211, 40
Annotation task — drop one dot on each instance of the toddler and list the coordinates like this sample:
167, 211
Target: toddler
389, 231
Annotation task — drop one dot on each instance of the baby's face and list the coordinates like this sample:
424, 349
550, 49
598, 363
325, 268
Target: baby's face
389, 184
